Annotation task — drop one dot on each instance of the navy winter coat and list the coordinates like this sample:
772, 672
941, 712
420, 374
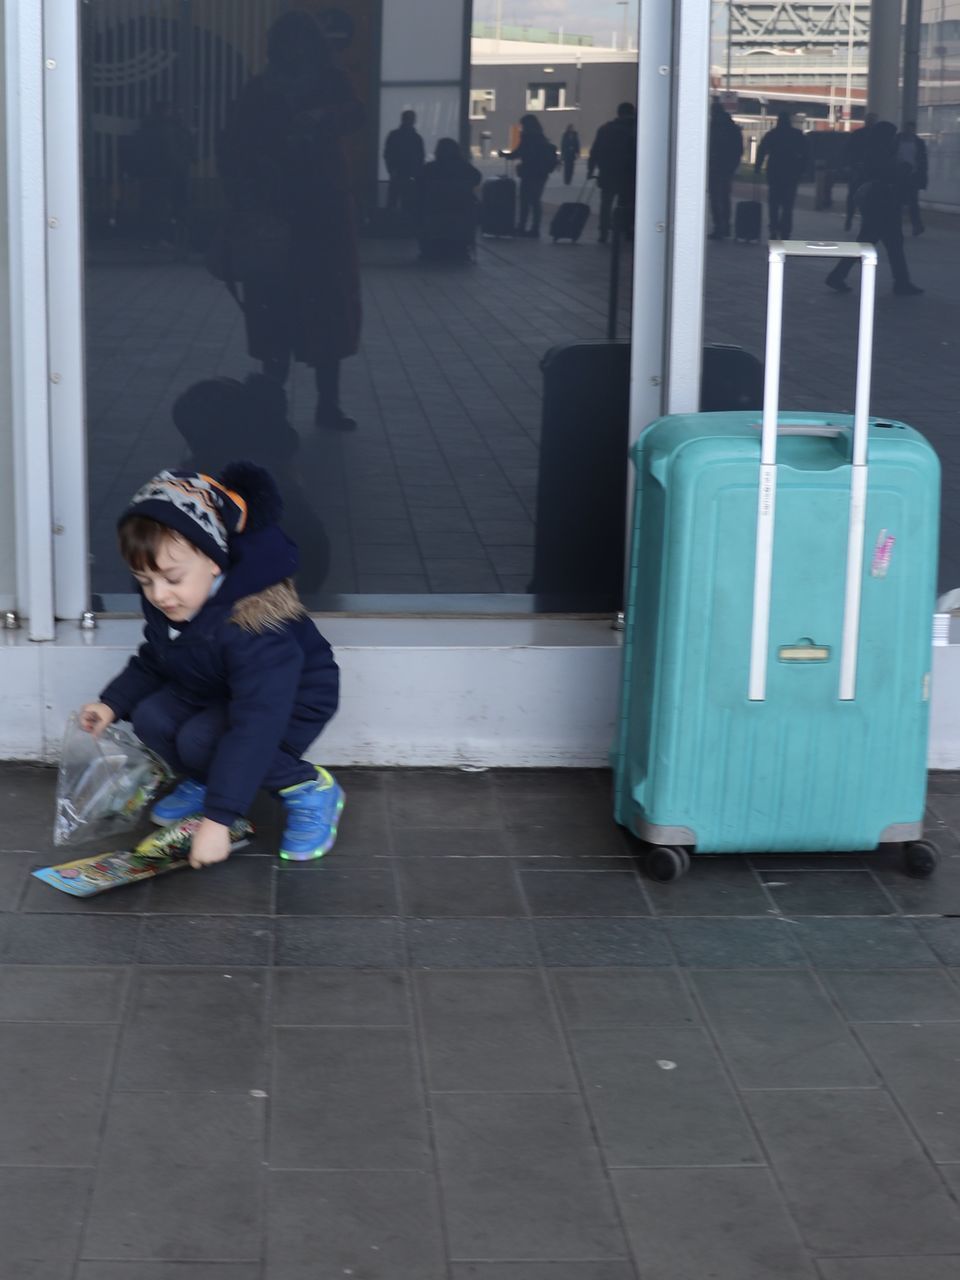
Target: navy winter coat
252, 647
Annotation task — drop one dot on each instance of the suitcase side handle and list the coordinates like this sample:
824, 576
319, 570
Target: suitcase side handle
780, 250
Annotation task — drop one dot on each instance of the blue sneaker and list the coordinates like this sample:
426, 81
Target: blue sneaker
313, 814
186, 799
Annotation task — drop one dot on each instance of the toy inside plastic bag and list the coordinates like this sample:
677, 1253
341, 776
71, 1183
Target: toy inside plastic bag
104, 783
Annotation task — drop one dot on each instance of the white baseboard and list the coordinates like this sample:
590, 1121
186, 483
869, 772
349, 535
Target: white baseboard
415, 691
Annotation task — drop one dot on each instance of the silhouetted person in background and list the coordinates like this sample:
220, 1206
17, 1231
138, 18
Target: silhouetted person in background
569, 152
880, 201
613, 160
725, 150
282, 157
857, 144
449, 210
162, 155
784, 149
403, 154
538, 159
912, 153
221, 419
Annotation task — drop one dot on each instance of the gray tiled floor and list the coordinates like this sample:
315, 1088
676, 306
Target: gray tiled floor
482, 1052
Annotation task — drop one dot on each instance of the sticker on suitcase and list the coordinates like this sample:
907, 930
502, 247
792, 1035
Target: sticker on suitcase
881, 554
167, 850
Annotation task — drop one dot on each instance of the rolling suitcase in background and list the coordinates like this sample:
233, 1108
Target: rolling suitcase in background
582, 473
571, 218
748, 219
498, 207
777, 648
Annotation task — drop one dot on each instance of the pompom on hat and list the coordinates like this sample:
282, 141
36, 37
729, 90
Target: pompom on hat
194, 505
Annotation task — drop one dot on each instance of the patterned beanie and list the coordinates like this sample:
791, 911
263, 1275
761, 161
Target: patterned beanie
194, 505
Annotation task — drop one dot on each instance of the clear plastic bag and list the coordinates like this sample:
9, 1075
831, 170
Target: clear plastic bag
104, 783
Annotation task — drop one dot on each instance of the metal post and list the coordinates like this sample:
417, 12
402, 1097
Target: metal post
648, 318
689, 196
883, 84
25, 70
911, 61
853, 14
65, 311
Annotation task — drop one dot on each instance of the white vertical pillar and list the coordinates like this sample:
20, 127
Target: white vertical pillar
65, 309
23, 36
688, 214
648, 320
883, 85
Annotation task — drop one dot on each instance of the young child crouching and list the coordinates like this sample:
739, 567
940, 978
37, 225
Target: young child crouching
233, 681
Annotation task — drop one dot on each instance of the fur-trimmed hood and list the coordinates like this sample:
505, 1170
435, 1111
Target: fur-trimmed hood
268, 610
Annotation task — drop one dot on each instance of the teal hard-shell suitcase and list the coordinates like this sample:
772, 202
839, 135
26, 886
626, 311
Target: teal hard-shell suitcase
777, 646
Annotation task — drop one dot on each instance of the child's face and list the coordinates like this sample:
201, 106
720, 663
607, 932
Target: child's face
180, 585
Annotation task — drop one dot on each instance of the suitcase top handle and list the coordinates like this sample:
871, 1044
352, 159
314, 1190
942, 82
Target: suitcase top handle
780, 250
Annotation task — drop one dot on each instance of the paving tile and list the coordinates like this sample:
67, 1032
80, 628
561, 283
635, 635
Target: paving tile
199, 940
364, 829
777, 1030
338, 997
622, 998
336, 890
375, 1225
918, 1064
895, 995
14, 874
470, 944
728, 1224
442, 798
863, 944
456, 842
855, 1179
688, 1113
237, 887
350, 944
30, 993
735, 944
558, 811
581, 1270
347, 1098
943, 936
585, 783
27, 803
431, 887
584, 893
178, 1178
714, 887
56, 939
41, 1216
170, 1271
491, 1031
936, 896
603, 943
890, 1268
557, 840
194, 1030
828, 893
522, 1179
52, 1082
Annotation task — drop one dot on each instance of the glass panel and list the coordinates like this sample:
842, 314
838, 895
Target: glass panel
812, 63
254, 140
7, 550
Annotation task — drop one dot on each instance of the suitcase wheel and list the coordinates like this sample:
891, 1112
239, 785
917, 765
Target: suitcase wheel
920, 858
666, 863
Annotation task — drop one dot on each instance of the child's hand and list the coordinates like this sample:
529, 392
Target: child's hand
211, 843
95, 717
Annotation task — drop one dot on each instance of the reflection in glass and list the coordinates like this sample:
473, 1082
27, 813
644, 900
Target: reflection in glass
287, 260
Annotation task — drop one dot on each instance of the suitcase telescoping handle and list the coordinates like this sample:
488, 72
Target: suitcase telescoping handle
780, 250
